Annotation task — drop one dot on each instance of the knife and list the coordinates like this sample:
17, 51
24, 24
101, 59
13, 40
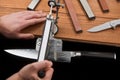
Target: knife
60, 56
105, 26
57, 56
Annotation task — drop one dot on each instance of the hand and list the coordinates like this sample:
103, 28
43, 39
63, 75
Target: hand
12, 24
30, 71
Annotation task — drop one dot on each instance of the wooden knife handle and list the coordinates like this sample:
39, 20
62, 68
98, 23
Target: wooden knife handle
103, 5
73, 15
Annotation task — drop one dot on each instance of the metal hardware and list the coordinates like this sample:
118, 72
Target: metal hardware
48, 30
87, 9
33, 4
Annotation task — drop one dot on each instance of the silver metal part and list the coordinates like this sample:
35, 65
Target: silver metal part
55, 52
87, 9
57, 55
45, 39
107, 25
33, 4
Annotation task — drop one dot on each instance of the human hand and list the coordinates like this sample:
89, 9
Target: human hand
12, 24
30, 71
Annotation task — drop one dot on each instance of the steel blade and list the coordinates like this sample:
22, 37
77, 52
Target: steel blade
25, 53
100, 27
33, 54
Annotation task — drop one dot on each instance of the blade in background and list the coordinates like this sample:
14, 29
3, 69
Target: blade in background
100, 27
25, 53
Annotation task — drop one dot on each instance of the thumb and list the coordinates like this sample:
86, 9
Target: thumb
42, 65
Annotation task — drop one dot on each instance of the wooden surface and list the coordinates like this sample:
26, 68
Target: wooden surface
73, 15
66, 30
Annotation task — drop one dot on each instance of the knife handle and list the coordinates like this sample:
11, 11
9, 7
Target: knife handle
115, 23
41, 74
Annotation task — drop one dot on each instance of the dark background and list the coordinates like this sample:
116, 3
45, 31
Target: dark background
80, 68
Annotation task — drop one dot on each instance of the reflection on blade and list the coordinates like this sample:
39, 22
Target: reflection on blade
100, 27
26, 53
33, 54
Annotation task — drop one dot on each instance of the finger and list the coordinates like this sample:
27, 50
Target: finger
35, 21
30, 12
31, 16
32, 22
49, 63
49, 74
42, 65
25, 36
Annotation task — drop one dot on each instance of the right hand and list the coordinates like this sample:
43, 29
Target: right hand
30, 71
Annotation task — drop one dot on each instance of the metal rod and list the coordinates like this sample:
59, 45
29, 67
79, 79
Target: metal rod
45, 39
33, 4
87, 9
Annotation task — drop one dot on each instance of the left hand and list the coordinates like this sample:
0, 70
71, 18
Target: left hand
12, 24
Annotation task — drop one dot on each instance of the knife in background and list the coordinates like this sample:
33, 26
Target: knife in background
105, 26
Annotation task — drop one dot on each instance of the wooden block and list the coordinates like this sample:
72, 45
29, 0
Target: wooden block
103, 5
73, 15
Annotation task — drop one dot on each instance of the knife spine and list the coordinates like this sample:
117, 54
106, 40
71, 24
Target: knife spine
87, 9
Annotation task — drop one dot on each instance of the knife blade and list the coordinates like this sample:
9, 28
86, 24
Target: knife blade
25, 53
105, 26
57, 56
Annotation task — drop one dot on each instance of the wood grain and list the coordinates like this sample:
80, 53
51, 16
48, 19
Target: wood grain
66, 29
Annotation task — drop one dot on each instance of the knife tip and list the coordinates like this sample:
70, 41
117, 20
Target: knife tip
90, 30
